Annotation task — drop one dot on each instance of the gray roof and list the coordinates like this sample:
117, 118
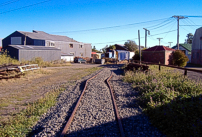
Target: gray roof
45, 36
28, 47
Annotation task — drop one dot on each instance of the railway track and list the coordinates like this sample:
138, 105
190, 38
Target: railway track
96, 106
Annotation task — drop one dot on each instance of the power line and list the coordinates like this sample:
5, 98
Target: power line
135, 38
118, 26
8, 2
25, 6
162, 25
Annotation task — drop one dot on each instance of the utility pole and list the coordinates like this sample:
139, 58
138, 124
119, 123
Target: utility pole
139, 45
159, 40
146, 30
170, 43
178, 19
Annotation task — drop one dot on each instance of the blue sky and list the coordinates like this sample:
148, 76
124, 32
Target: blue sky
69, 17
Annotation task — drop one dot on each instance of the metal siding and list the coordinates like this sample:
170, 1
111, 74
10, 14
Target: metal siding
46, 55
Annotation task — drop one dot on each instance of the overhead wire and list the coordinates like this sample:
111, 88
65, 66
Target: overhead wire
25, 6
135, 38
8, 2
112, 27
162, 25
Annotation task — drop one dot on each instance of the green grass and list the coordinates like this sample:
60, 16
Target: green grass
20, 124
172, 102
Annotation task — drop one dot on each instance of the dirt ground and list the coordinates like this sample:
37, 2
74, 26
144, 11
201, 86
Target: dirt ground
15, 93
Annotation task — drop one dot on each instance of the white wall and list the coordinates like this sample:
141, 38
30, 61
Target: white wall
68, 58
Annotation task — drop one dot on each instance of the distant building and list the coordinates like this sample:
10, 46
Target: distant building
186, 48
40, 38
0, 42
21, 52
158, 54
196, 53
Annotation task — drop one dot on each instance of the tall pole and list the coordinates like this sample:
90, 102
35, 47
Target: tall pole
139, 45
178, 35
170, 43
146, 30
178, 30
159, 40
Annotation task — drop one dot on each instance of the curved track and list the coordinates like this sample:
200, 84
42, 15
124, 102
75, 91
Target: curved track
98, 90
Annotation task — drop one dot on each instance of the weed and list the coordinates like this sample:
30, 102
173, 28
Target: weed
172, 102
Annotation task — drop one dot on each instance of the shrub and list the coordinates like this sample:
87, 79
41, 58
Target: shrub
179, 58
137, 55
6, 59
172, 102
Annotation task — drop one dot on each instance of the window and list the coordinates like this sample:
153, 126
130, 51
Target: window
71, 45
80, 46
16, 41
72, 53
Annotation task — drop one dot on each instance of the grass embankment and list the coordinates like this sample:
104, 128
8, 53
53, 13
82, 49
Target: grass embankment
172, 102
20, 124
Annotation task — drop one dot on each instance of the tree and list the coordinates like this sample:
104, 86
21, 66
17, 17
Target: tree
113, 47
131, 45
189, 38
104, 49
94, 49
179, 58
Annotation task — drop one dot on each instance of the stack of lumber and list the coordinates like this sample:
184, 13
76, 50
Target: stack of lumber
9, 71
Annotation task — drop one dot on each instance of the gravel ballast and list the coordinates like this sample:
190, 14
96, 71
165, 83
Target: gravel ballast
95, 115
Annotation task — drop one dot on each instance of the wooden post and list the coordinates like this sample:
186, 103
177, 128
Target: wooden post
185, 72
139, 45
159, 67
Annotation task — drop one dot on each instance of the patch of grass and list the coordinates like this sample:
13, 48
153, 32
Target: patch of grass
20, 124
4, 104
88, 71
172, 102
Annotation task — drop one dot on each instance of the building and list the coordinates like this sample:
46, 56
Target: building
21, 52
120, 53
196, 53
158, 54
186, 48
40, 38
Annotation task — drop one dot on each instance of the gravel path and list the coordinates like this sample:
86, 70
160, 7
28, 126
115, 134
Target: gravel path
95, 115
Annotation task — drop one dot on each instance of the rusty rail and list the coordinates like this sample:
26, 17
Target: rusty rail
115, 108
76, 107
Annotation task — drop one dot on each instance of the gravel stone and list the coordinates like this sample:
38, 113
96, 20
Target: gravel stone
95, 115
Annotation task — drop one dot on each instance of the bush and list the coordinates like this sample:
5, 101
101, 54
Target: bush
172, 102
137, 55
5, 59
179, 58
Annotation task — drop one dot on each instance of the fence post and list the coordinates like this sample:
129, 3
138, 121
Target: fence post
185, 72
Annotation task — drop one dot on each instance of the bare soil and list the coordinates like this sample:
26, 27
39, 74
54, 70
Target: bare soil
16, 93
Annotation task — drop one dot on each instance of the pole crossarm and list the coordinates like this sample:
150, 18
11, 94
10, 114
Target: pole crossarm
178, 20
